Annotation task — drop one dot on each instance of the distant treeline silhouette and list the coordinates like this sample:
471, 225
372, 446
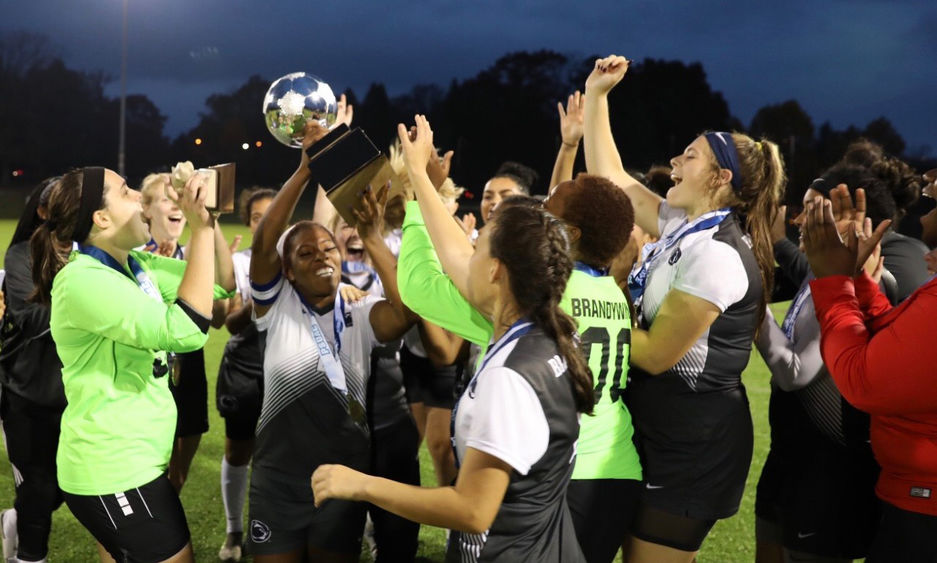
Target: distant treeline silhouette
53, 117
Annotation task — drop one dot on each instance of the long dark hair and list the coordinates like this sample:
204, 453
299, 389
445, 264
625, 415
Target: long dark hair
533, 246
50, 244
29, 218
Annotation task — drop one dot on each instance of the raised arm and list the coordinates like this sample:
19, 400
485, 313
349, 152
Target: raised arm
390, 318
570, 135
265, 262
197, 288
602, 156
224, 276
428, 291
452, 247
224, 264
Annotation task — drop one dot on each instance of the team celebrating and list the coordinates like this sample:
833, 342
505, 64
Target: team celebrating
574, 365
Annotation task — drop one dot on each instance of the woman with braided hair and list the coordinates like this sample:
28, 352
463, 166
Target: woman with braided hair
517, 422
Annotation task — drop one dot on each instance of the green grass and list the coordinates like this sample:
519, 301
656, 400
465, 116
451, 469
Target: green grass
731, 540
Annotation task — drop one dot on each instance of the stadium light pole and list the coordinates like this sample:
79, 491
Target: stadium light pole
123, 97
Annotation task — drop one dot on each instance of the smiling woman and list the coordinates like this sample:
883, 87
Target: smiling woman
317, 362
162, 214
696, 328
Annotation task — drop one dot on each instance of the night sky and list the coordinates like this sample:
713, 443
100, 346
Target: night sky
845, 61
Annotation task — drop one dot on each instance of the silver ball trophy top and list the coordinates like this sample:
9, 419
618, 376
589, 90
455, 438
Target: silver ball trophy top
294, 99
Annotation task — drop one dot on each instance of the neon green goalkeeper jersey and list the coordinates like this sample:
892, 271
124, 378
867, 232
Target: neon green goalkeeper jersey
605, 449
112, 338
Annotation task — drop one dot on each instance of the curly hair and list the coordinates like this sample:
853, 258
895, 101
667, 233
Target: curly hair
894, 179
604, 216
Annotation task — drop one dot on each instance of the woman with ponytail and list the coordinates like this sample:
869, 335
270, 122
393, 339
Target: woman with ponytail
701, 292
115, 313
32, 400
517, 422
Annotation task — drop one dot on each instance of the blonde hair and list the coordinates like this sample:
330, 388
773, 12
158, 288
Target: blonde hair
448, 192
151, 184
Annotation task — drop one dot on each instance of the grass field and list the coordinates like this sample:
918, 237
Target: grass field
731, 540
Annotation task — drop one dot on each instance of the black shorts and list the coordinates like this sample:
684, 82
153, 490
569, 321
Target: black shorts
427, 384
283, 517
191, 394
904, 537
668, 528
602, 511
695, 452
821, 498
142, 524
239, 397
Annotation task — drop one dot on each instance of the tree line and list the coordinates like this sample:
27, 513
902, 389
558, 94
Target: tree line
53, 118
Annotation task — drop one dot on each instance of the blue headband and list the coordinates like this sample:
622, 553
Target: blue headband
723, 147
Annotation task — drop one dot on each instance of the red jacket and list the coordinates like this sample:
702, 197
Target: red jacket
884, 362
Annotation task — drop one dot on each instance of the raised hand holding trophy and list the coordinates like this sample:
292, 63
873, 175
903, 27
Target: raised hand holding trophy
345, 161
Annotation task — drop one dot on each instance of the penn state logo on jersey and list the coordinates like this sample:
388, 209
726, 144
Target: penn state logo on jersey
675, 256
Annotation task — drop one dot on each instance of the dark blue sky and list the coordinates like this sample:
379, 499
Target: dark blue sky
846, 61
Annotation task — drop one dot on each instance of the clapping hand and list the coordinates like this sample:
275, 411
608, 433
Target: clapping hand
846, 214
826, 251
607, 73
417, 145
370, 214
438, 168
571, 119
467, 222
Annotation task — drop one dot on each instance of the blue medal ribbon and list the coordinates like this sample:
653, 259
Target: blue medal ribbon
637, 280
794, 310
136, 273
330, 360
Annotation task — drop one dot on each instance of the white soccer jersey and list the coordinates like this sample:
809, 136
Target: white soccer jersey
291, 356
716, 264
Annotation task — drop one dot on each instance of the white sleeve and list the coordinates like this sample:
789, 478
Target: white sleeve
242, 264
508, 421
669, 218
713, 271
793, 365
